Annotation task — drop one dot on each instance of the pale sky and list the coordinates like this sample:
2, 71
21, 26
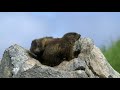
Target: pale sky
22, 27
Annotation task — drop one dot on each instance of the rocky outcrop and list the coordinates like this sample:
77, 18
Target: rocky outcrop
91, 63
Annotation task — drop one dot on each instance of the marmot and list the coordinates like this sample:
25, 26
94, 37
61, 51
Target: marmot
59, 50
52, 51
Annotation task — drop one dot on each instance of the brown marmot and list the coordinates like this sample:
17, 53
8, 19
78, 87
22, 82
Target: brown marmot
59, 50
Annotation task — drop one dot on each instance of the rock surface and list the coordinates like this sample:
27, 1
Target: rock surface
91, 63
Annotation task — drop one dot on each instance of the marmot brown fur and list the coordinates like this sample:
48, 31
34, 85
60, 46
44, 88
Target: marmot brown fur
38, 46
59, 50
52, 51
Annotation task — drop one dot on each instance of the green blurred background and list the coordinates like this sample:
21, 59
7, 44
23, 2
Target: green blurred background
112, 54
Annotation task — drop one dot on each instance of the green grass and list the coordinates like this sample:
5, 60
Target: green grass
112, 54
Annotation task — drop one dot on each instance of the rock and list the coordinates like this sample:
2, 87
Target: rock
15, 59
49, 72
94, 59
17, 62
72, 65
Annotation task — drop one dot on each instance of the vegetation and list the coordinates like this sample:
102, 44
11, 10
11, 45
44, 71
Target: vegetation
112, 54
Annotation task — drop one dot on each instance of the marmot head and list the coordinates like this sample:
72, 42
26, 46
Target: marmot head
71, 36
38, 45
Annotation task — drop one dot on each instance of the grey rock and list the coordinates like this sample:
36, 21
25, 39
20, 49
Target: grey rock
15, 59
49, 72
95, 60
90, 63
75, 64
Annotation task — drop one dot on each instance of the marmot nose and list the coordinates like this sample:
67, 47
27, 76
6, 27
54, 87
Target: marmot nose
79, 35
